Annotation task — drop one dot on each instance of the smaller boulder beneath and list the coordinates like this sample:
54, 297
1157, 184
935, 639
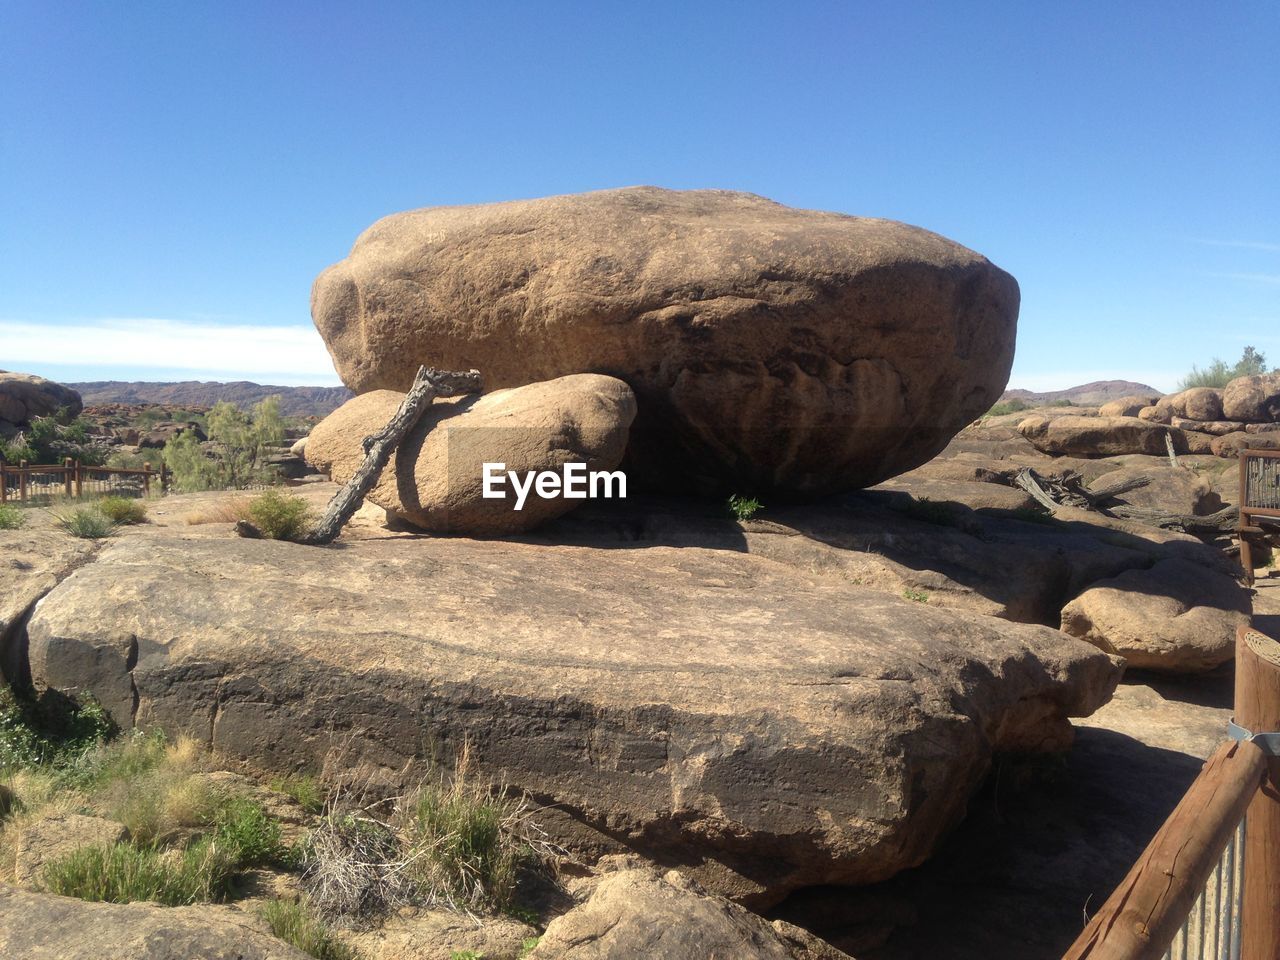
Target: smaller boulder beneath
1198, 403
1155, 414
1216, 428
1177, 616
1253, 399
1229, 446
1175, 490
634, 913
436, 479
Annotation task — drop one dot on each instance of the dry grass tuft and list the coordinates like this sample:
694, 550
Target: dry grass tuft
229, 510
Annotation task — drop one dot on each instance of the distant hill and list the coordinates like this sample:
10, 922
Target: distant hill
1086, 395
294, 401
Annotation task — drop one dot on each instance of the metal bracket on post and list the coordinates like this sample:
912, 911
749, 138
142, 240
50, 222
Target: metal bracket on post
1268, 743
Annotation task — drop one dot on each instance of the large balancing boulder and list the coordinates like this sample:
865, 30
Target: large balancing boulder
770, 349
713, 710
24, 396
436, 478
1254, 399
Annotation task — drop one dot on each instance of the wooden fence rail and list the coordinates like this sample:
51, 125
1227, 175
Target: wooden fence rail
1259, 501
71, 479
1153, 906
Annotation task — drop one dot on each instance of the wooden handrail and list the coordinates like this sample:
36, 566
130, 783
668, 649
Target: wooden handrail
1143, 915
1258, 711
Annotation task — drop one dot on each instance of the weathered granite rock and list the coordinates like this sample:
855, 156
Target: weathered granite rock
634, 913
1215, 428
56, 835
769, 348
41, 926
1172, 489
1253, 399
1231, 444
1130, 406
24, 396
1177, 616
435, 479
706, 708
1098, 436
1156, 414
1197, 403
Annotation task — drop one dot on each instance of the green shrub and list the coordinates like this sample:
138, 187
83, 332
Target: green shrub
52, 440
294, 924
123, 510
11, 517
1219, 374
527, 946
88, 523
125, 873
1008, 406
29, 739
252, 838
304, 788
744, 508
280, 516
237, 445
918, 596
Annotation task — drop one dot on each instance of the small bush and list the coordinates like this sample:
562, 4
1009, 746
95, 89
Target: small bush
304, 788
296, 925
88, 523
124, 873
353, 868
252, 837
1033, 515
918, 596
527, 946
744, 508
1008, 406
30, 739
280, 516
123, 510
11, 517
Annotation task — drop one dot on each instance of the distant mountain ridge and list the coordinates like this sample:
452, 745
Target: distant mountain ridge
1086, 395
294, 401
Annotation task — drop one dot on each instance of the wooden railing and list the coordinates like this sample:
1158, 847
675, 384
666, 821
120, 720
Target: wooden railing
1259, 500
1208, 884
71, 479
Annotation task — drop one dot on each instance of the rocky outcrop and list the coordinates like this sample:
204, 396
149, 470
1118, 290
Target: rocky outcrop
1098, 436
436, 478
1177, 616
705, 708
1253, 399
40, 926
1129, 406
770, 349
24, 396
1197, 403
635, 913
1216, 428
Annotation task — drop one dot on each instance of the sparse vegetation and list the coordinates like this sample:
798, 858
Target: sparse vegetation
237, 442
1004, 407
527, 947
303, 788
28, 739
88, 523
223, 511
280, 516
53, 439
918, 596
296, 925
11, 517
123, 510
125, 872
1032, 515
929, 511
1218, 374
744, 508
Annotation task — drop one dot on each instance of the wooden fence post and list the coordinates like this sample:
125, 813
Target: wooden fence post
79, 481
146, 479
22, 480
1258, 710
67, 471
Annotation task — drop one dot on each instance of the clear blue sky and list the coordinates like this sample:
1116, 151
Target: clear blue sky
174, 175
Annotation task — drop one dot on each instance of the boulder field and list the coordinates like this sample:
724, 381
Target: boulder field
770, 349
715, 711
24, 396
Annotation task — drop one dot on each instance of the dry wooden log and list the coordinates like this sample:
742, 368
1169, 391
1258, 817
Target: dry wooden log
1213, 524
427, 385
1168, 445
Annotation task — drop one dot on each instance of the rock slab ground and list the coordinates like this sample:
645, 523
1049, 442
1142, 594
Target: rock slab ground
769, 348
714, 711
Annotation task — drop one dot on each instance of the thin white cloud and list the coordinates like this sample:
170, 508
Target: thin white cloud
1253, 277
198, 351
1239, 244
